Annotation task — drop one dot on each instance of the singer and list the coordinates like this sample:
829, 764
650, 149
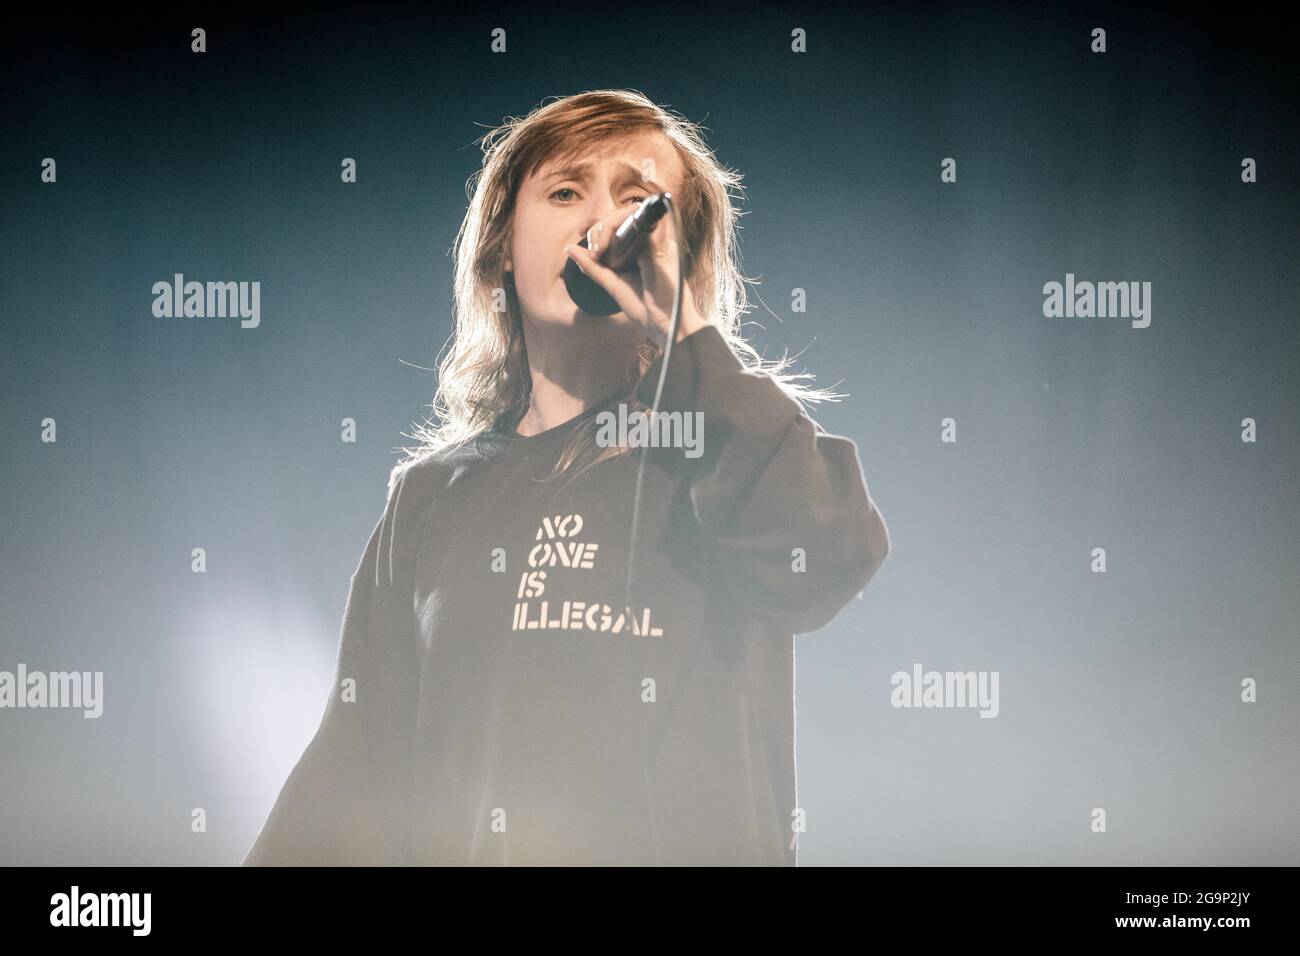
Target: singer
647, 716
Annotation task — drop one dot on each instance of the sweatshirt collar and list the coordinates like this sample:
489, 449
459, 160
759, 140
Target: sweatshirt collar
503, 442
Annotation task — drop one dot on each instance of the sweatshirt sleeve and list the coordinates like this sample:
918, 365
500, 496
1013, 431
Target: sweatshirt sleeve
769, 481
346, 801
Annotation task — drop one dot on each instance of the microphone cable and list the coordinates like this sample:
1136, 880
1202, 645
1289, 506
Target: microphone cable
633, 538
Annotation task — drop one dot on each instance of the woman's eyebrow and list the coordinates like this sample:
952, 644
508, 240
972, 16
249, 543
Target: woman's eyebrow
579, 171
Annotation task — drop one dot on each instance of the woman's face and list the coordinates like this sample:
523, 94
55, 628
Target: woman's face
557, 204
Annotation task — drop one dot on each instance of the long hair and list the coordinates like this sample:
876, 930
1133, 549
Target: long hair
483, 372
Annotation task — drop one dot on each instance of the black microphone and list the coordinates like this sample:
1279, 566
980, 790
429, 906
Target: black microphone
619, 254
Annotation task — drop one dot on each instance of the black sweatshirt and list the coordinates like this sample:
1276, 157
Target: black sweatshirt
498, 701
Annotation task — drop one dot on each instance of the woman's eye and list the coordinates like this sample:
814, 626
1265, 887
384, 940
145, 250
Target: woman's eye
566, 189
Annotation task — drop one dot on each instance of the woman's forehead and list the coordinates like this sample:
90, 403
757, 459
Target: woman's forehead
649, 152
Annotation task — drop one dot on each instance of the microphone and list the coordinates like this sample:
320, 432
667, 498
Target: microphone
619, 254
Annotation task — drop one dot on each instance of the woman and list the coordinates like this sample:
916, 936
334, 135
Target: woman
514, 688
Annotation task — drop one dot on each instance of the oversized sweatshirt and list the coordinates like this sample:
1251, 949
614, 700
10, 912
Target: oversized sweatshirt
501, 696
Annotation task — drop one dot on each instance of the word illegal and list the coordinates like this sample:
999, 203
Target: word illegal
583, 616
219, 300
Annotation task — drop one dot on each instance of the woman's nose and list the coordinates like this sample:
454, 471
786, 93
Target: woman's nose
602, 224
598, 233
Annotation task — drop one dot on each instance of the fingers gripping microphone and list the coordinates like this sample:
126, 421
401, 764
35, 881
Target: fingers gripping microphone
620, 255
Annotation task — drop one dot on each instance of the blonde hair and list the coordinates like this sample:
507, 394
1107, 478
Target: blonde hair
484, 377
